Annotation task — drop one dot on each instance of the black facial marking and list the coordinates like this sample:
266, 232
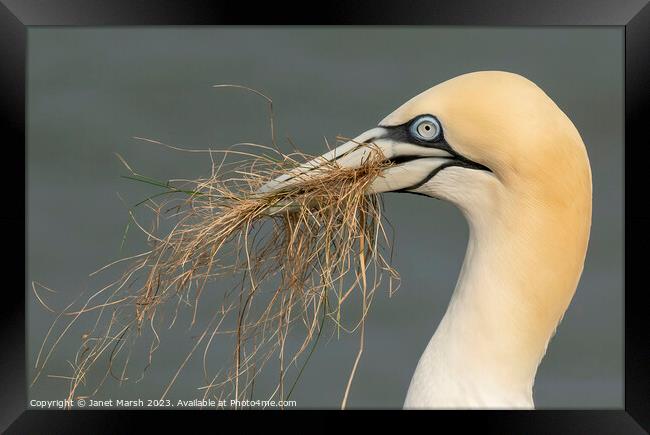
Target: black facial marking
398, 160
402, 133
452, 162
428, 177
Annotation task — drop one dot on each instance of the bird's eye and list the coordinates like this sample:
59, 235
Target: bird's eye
426, 128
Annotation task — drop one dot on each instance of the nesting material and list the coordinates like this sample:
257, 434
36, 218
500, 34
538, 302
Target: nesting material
300, 253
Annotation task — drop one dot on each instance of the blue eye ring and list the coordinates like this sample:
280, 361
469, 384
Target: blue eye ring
426, 128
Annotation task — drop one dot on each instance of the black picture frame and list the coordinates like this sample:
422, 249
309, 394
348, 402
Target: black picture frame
634, 15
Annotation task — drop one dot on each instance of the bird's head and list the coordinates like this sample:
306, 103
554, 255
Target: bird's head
476, 136
495, 145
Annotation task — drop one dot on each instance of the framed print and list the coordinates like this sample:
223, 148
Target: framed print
231, 209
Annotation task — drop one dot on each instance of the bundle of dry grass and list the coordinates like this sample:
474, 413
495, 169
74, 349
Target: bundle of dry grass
301, 252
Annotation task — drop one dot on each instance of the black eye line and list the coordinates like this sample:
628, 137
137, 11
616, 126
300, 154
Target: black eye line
402, 133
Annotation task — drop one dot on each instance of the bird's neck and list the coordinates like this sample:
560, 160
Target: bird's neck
518, 277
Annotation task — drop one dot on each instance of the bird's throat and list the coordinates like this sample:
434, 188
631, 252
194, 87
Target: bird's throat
518, 277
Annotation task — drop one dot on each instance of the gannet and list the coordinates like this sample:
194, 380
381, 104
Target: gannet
495, 145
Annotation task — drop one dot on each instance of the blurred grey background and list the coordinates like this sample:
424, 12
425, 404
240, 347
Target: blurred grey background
92, 90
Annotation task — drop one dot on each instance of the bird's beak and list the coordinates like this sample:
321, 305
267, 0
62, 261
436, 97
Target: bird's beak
413, 164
